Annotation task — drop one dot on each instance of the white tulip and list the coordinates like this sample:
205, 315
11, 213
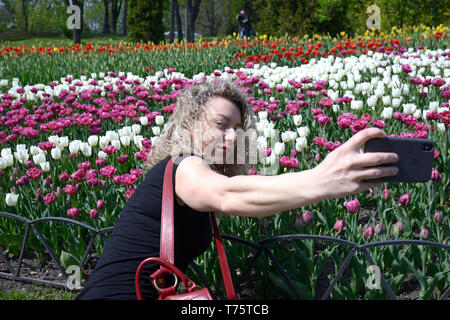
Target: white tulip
45, 166
262, 115
417, 114
125, 140
103, 142
112, 135
156, 131
279, 148
136, 128
93, 140
102, 155
143, 121
300, 143
270, 132
297, 119
21, 156
372, 101
159, 120
63, 141
86, 149
74, 146
56, 153
261, 142
396, 102
387, 113
396, 92
35, 150
116, 144
409, 108
386, 100
434, 105
11, 199
356, 105
441, 127
6, 152
303, 131
39, 158
405, 90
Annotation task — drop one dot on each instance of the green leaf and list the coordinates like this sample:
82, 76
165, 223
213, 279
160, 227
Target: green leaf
68, 259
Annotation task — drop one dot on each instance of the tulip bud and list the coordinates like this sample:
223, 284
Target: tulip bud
386, 194
100, 204
424, 233
73, 213
339, 225
368, 234
93, 213
438, 217
398, 228
352, 205
11, 199
405, 199
379, 228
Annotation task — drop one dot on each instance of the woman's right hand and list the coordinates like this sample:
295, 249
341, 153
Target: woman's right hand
344, 170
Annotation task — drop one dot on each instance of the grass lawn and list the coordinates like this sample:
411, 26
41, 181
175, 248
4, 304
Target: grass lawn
35, 292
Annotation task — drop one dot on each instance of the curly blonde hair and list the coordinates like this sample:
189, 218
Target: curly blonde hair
175, 138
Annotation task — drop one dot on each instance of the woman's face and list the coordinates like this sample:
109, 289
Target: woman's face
220, 120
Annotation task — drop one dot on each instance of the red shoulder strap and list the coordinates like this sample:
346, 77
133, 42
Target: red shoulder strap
167, 232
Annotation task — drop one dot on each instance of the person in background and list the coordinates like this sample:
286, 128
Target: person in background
244, 27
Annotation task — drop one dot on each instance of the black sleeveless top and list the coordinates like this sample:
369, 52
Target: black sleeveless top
136, 236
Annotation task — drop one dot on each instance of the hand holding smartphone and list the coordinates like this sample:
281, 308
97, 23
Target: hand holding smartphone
415, 157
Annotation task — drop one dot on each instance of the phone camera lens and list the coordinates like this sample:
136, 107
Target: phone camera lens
427, 147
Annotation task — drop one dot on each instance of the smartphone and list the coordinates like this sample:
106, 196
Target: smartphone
415, 157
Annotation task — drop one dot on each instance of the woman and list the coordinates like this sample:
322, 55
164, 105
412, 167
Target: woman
204, 130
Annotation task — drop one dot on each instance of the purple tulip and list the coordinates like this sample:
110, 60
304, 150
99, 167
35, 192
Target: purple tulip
100, 204
405, 199
305, 219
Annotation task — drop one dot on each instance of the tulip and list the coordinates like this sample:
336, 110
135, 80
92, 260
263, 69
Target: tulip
438, 217
379, 228
279, 148
398, 228
368, 234
297, 120
424, 233
159, 120
386, 194
100, 204
73, 213
339, 225
353, 205
93, 213
305, 219
405, 200
11, 199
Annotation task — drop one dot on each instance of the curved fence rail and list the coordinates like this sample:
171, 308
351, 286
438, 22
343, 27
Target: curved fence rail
260, 246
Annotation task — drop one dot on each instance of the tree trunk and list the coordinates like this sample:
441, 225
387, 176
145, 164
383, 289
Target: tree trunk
25, 15
191, 16
179, 25
124, 17
106, 17
77, 32
172, 21
116, 5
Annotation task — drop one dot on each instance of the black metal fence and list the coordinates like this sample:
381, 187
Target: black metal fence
260, 246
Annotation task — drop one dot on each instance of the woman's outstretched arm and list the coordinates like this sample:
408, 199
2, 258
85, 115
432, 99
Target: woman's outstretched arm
340, 174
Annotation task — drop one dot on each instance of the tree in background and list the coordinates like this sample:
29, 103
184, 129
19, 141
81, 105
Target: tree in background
144, 20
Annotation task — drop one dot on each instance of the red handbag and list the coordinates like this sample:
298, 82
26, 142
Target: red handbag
166, 258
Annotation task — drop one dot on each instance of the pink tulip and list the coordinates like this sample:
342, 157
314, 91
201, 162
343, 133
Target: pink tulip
73, 213
352, 205
100, 204
398, 228
368, 234
379, 228
405, 199
339, 225
386, 194
438, 217
93, 213
424, 233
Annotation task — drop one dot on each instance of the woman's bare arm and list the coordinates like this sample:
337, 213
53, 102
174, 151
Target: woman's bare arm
341, 173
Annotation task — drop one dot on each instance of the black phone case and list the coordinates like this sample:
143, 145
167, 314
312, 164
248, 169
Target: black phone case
415, 157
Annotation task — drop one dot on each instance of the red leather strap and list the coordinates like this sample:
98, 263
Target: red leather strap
167, 232
229, 288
